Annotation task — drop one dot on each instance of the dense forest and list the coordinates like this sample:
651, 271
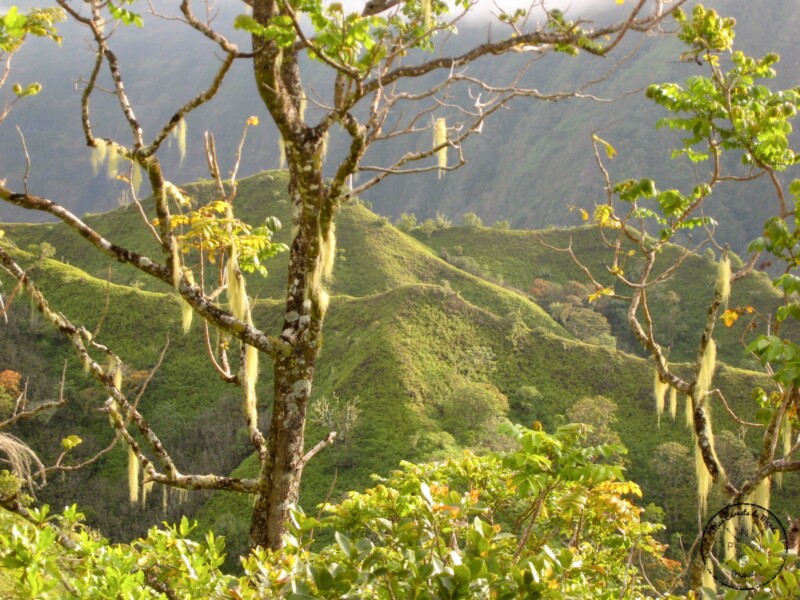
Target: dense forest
559, 355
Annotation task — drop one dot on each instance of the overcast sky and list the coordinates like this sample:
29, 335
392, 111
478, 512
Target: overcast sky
484, 6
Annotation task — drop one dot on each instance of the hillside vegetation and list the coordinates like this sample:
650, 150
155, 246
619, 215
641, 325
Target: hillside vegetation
430, 356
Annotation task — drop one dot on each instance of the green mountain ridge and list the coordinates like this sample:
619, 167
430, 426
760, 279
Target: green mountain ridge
412, 337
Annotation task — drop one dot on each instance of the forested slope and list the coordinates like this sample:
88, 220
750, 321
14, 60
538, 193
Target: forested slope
431, 354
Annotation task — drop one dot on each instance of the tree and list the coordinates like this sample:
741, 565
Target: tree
473, 411
726, 112
470, 219
672, 462
406, 222
384, 85
600, 413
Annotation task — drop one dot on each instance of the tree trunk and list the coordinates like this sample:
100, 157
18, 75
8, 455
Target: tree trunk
306, 302
281, 472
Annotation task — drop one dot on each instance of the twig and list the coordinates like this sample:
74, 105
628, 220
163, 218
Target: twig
27, 160
733, 415
20, 414
328, 440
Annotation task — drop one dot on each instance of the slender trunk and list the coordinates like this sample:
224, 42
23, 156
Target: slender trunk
280, 474
294, 374
306, 303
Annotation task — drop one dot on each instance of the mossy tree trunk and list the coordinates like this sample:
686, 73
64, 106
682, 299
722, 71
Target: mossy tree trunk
278, 80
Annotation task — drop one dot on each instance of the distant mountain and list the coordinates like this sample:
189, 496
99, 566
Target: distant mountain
409, 335
528, 166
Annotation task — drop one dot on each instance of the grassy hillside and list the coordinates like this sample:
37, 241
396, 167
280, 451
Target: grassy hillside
432, 355
520, 257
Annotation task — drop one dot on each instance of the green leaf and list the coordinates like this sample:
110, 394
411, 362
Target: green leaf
70, 442
794, 188
29, 90
185, 527
345, 545
126, 16
789, 310
323, 579
611, 152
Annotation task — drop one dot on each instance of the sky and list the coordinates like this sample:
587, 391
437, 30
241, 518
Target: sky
484, 6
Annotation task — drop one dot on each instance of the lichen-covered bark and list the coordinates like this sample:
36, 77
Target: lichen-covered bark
294, 373
278, 81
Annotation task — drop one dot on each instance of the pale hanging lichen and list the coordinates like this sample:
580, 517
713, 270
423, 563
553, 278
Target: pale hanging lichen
761, 494
327, 252
117, 373
250, 376
112, 160
659, 393
176, 264
786, 437
703, 479
323, 153
186, 310
426, 13
673, 402
174, 192
98, 157
115, 370
136, 177
440, 139
708, 579
706, 373
133, 476
281, 152
786, 431
108, 153
147, 487
724, 280
729, 540
180, 134
237, 295
323, 299
180, 494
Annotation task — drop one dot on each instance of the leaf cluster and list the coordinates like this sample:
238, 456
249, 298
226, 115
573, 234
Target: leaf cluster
212, 229
40, 22
519, 524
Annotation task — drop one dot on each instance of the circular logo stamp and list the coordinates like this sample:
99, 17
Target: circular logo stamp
736, 541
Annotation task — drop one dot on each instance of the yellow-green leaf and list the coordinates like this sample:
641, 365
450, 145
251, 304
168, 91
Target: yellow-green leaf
70, 442
611, 152
608, 291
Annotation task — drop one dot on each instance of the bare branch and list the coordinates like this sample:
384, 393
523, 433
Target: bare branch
732, 414
326, 441
536, 38
20, 414
229, 47
191, 105
191, 293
